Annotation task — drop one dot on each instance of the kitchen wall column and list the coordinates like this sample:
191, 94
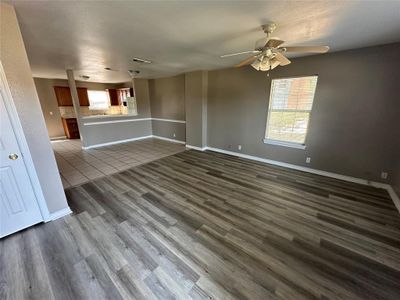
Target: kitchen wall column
76, 104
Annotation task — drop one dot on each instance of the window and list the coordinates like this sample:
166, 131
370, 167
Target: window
98, 100
289, 111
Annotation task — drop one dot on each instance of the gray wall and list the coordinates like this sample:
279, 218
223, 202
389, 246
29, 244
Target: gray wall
354, 122
19, 77
48, 103
170, 130
111, 132
396, 175
167, 101
196, 108
396, 180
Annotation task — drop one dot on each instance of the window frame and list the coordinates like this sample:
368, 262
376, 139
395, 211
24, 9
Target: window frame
287, 143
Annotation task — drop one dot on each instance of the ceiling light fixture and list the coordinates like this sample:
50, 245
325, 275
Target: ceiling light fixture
110, 69
133, 73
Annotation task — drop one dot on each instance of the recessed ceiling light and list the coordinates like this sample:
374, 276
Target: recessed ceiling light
110, 69
84, 77
142, 61
133, 72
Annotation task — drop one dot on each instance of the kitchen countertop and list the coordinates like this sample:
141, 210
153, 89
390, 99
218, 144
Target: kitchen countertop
107, 116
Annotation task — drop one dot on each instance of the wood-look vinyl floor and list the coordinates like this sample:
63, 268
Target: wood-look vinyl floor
203, 225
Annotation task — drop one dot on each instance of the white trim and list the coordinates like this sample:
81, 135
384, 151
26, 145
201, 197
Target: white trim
300, 168
57, 138
108, 116
116, 121
389, 188
270, 104
196, 148
394, 196
169, 120
131, 120
117, 142
132, 140
392, 193
19, 133
168, 139
60, 213
285, 144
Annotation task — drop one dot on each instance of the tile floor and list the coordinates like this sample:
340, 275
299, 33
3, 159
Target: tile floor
77, 166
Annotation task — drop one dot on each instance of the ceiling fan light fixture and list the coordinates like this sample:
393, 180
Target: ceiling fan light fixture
266, 63
270, 54
256, 65
274, 63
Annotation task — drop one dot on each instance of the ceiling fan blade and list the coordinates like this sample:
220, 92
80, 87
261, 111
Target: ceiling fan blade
282, 59
310, 49
247, 61
240, 53
273, 43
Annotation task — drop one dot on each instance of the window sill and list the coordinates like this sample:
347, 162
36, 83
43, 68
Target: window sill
285, 144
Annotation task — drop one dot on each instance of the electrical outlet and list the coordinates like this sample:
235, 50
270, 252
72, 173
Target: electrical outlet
384, 175
174, 134
308, 160
239, 147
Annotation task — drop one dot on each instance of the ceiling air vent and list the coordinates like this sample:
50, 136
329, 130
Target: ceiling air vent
141, 61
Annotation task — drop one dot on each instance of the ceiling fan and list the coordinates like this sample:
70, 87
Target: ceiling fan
271, 54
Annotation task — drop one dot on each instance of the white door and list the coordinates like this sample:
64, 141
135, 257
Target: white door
18, 204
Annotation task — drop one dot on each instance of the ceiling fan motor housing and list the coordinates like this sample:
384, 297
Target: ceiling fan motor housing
269, 28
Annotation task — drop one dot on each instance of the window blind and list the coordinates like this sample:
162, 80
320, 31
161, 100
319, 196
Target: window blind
289, 109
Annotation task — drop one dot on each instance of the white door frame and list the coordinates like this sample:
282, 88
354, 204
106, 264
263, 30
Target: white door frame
19, 133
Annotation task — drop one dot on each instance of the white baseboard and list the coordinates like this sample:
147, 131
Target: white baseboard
195, 147
301, 168
132, 140
168, 139
394, 196
117, 142
57, 138
390, 190
59, 214
392, 193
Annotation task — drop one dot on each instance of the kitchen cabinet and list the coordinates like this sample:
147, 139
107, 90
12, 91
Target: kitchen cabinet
83, 97
64, 98
71, 128
114, 99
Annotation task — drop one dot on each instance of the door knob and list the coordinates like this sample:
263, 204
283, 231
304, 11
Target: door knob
13, 156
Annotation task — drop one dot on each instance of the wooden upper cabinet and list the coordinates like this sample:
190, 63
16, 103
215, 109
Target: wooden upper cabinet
113, 96
83, 96
64, 98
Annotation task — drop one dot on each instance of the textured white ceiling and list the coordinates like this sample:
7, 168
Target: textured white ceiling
182, 36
